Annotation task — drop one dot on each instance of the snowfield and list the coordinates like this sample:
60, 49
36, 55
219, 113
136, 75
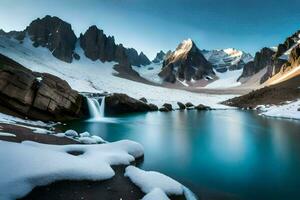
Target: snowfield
226, 80
50, 163
85, 75
288, 110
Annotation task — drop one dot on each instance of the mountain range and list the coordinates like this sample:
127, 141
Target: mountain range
187, 64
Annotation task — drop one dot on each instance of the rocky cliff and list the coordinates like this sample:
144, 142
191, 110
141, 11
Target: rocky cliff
262, 59
39, 96
55, 34
186, 63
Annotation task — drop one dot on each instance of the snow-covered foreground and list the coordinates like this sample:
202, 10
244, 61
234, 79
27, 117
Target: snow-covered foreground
288, 110
29, 164
85, 75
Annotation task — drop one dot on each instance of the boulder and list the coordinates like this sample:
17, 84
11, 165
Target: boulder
153, 107
117, 103
168, 106
189, 105
39, 96
181, 106
202, 107
164, 109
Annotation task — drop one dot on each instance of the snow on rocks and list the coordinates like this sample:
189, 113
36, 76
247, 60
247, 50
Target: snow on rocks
150, 180
7, 134
84, 138
35, 126
50, 163
288, 110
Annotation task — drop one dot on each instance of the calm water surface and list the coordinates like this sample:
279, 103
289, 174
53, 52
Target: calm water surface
225, 154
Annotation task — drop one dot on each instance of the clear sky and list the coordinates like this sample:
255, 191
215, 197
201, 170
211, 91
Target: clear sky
152, 25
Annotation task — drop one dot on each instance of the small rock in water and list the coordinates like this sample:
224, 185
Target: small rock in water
153, 107
202, 107
168, 106
189, 104
163, 109
181, 105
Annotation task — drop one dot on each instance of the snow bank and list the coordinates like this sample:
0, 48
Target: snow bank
156, 194
30, 164
288, 110
85, 75
149, 180
35, 126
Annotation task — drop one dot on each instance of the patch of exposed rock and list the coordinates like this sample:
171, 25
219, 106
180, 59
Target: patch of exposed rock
39, 96
54, 34
117, 103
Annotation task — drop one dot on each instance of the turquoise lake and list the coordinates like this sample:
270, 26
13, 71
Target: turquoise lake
221, 154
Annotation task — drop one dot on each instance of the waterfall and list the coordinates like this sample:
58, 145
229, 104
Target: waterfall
95, 109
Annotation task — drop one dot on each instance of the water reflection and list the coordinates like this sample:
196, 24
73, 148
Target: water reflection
227, 152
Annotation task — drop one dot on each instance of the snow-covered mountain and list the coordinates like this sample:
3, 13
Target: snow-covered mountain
227, 59
186, 64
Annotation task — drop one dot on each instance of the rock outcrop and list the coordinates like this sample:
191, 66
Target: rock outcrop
161, 56
181, 106
35, 95
261, 60
116, 104
54, 34
186, 63
97, 45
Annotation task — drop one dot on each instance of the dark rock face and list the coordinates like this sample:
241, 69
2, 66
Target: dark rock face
186, 63
121, 104
288, 43
294, 58
181, 106
55, 34
261, 60
159, 57
37, 95
97, 45
202, 107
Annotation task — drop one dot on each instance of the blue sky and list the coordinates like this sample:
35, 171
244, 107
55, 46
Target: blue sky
152, 25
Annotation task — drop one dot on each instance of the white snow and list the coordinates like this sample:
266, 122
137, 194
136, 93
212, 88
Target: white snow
226, 80
85, 137
85, 75
35, 126
149, 180
288, 110
7, 134
150, 72
30, 164
156, 194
